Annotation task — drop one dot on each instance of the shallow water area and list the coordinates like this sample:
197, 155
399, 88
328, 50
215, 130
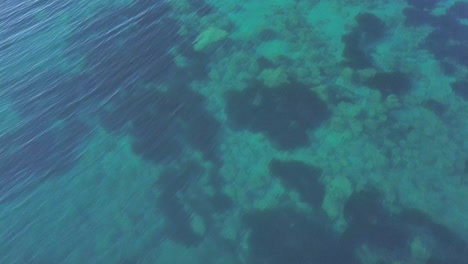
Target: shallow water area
202, 131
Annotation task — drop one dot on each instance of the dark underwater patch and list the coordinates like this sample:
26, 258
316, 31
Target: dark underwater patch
423, 4
123, 48
281, 236
448, 41
436, 107
452, 26
437, 43
284, 114
459, 10
267, 35
460, 88
355, 56
172, 183
221, 202
370, 223
165, 123
417, 17
286, 236
300, 177
371, 27
128, 47
358, 43
265, 63
178, 220
445, 245
387, 83
202, 8
181, 196
448, 67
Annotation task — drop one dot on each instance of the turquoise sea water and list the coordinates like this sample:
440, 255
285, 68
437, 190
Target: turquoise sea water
216, 131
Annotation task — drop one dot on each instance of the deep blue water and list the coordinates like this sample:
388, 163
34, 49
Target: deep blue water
151, 131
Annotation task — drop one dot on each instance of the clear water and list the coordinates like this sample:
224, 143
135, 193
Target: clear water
203, 131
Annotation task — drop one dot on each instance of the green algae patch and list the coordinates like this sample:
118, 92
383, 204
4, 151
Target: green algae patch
209, 36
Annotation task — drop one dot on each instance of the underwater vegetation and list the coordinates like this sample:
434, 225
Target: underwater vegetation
460, 88
131, 46
202, 8
359, 42
423, 4
178, 219
298, 142
448, 39
284, 114
283, 235
372, 224
300, 177
387, 83
164, 124
287, 236
126, 47
416, 17
435, 106
180, 198
53, 102
459, 10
